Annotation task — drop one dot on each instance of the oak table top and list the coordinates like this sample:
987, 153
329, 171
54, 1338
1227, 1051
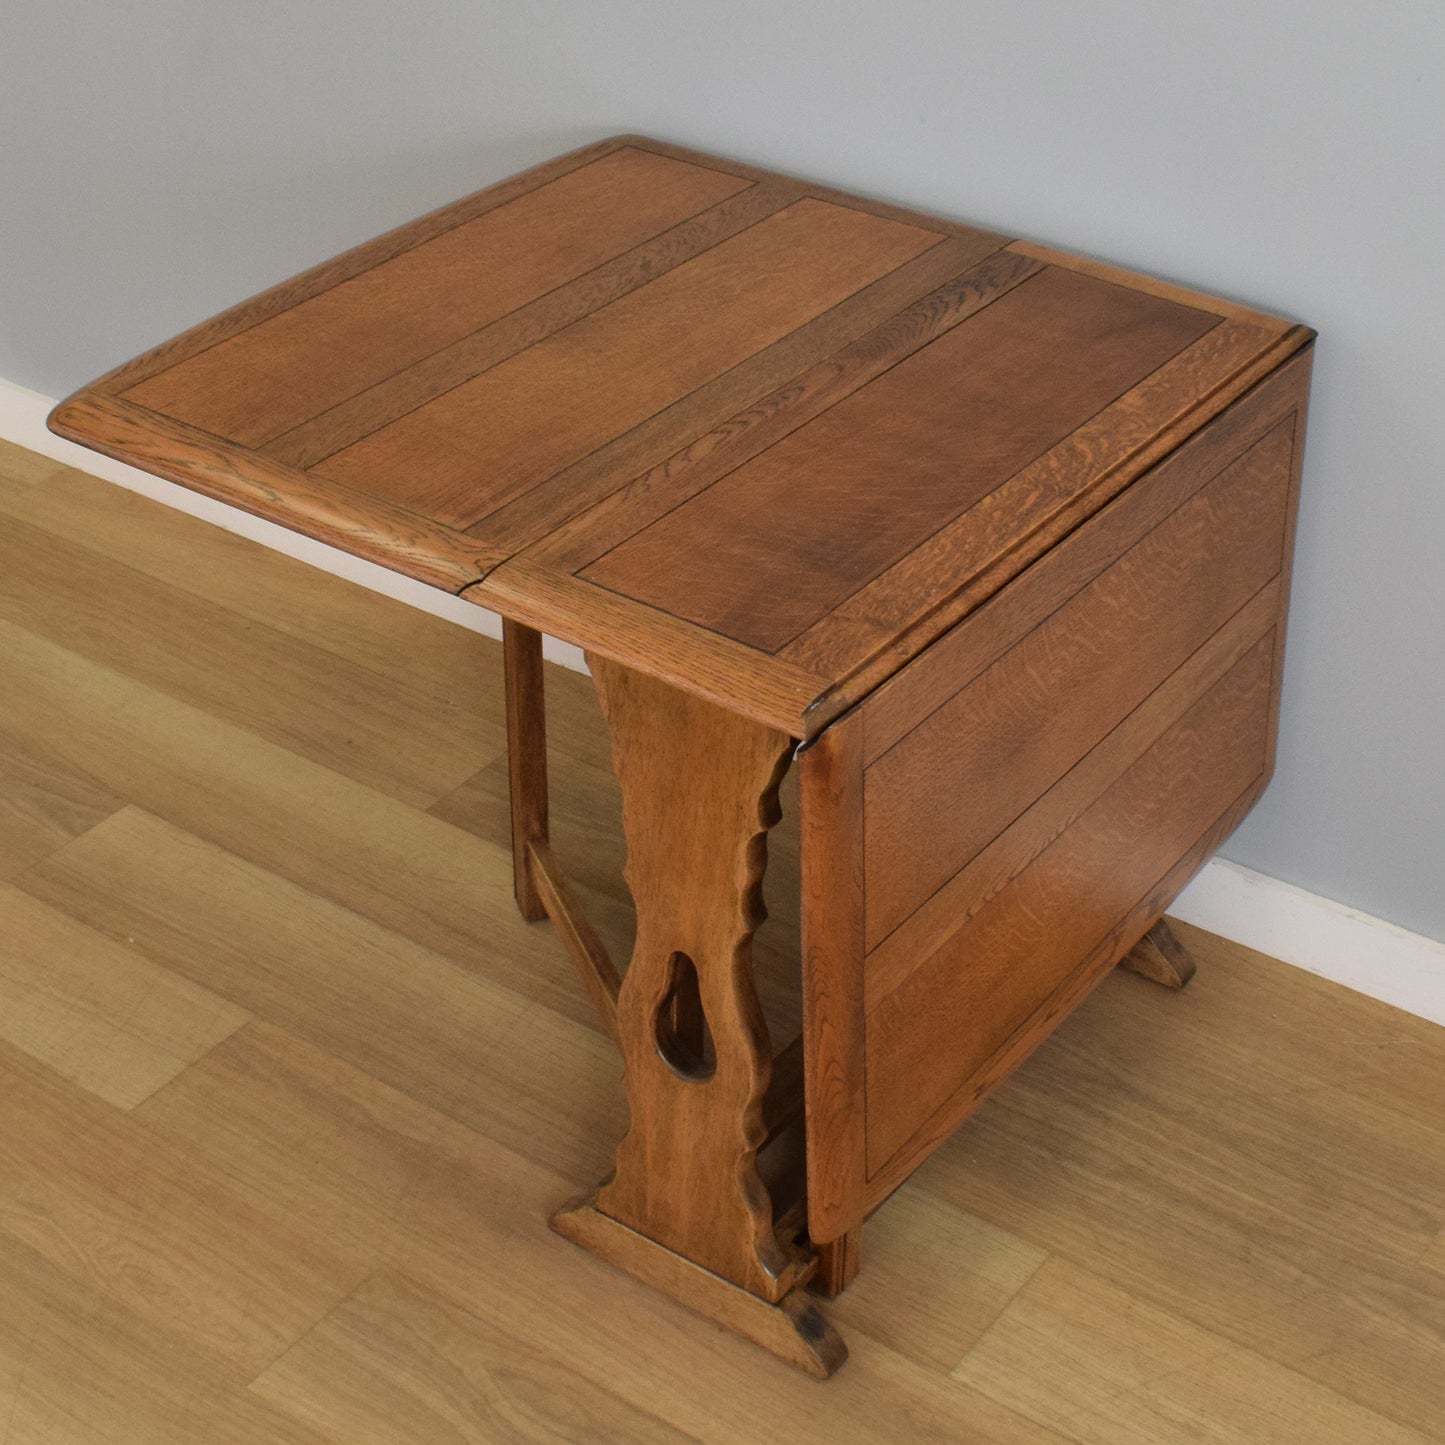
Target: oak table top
751, 436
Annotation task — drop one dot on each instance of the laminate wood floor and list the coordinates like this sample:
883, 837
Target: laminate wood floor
287, 1089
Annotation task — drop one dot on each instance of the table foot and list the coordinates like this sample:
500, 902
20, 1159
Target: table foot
1160, 956
792, 1328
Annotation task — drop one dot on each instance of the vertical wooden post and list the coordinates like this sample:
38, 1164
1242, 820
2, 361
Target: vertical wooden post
838, 1262
830, 803
526, 756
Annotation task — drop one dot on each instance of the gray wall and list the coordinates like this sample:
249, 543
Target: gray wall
159, 161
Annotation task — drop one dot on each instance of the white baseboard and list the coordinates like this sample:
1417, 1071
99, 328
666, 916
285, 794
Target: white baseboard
1367, 954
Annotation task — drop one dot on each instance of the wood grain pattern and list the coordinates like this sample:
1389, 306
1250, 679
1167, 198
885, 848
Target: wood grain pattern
424, 657
94, 1011
792, 1328
1152, 285
589, 954
526, 756
694, 657
931, 1034
830, 801
301, 963
1012, 732
1012, 850
699, 372
221, 1271
1076, 988
1136, 1375
413, 386
20, 470
868, 637
1257, 1287
839, 1261
1226, 500
934, 1280
365, 526
284, 688
399, 1361
374, 857
716, 669
43, 803
898, 459
76, 1372
489, 440
739, 438
932, 678
284, 370
775, 692
845, 344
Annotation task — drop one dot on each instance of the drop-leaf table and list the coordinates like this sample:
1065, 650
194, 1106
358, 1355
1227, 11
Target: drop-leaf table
989, 541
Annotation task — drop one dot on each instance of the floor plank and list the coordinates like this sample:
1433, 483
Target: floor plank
1224, 1185
703, 1380
288, 691
99, 1013
174, 1240
20, 468
935, 1279
1434, 1257
412, 873
459, 1042
422, 656
465, 1217
397, 1362
1086, 1358
76, 1369
43, 804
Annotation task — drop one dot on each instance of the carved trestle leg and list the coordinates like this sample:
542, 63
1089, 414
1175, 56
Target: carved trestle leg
1160, 956
685, 1209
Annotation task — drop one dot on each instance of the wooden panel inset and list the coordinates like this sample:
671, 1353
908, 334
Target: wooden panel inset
974, 764
775, 545
480, 350
472, 450
736, 436
707, 433
994, 866
285, 370
964, 1003
873, 632
913, 692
